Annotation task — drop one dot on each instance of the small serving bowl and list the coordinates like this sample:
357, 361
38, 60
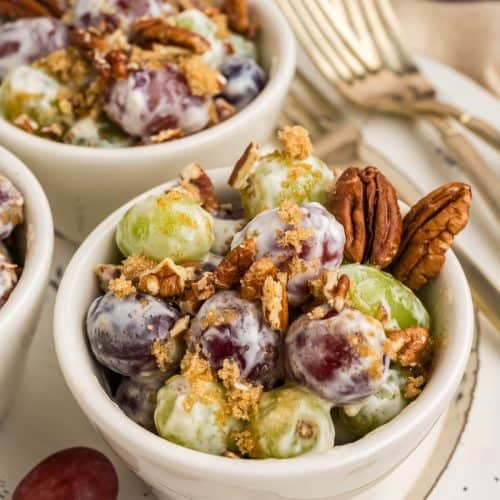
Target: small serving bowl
20, 314
179, 473
85, 184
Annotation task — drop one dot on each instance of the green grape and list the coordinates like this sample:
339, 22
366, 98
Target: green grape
31, 92
195, 20
276, 178
198, 422
243, 47
379, 408
170, 225
290, 421
373, 289
99, 133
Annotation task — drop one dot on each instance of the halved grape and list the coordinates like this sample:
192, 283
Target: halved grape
276, 178
170, 225
340, 358
379, 294
195, 420
378, 409
71, 474
290, 421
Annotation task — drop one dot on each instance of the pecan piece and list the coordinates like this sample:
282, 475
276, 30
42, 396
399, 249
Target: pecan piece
31, 8
235, 264
195, 180
428, 231
252, 282
166, 280
238, 15
156, 30
243, 168
366, 204
408, 347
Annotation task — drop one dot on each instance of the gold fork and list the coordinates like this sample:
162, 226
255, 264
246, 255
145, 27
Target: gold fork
340, 144
357, 46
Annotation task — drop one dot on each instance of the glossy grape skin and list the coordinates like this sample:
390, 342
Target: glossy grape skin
98, 133
340, 358
70, 474
323, 250
239, 334
8, 275
122, 331
202, 426
169, 225
276, 178
291, 421
11, 207
149, 101
378, 409
245, 80
31, 92
373, 288
25, 40
137, 399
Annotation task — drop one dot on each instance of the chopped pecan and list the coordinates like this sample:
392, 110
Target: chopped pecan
296, 142
413, 387
243, 168
275, 301
31, 8
106, 273
252, 282
330, 288
180, 326
198, 183
118, 64
428, 231
157, 30
238, 15
24, 122
188, 302
166, 280
88, 40
408, 347
165, 135
202, 79
204, 288
235, 264
366, 204
223, 109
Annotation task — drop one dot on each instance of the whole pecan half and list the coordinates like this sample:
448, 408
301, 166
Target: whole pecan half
238, 15
428, 231
31, 8
198, 183
366, 204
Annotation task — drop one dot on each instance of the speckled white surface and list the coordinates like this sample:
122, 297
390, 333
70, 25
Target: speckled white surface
45, 418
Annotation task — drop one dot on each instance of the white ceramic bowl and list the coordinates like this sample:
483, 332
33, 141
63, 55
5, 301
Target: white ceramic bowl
20, 314
86, 184
180, 473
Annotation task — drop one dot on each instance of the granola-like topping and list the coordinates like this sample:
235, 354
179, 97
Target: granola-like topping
135, 265
235, 264
244, 166
295, 238
296, 142
244, 441
413, 387
121, 287
66, 65
408, 347
289, 213
195, 180
157, 30
275, 302
201, 78
242, 398
163, 353
204, 288
252, 282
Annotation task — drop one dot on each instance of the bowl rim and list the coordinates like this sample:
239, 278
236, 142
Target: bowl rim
75, 362
40, 240
282, 67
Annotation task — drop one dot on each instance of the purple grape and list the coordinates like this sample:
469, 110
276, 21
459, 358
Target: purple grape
245, 80
122, 331
25, 40
323, 250
71, 474
11, 207
340, 358
8, 275
228, 327
117, 13
137, 399
149, 101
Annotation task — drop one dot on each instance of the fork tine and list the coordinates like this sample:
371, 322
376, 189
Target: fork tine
321, 63
322, 21
321, 43
395, 32
379, 33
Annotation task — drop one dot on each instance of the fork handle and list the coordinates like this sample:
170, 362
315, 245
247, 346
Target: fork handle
484, 130
471, 161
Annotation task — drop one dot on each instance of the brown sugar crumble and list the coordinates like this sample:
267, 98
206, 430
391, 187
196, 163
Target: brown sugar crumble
121, 287
413, 387
296, 142
162, 353
295, 238
275, 301
201, 78
289, 213
244, 441
134, 265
